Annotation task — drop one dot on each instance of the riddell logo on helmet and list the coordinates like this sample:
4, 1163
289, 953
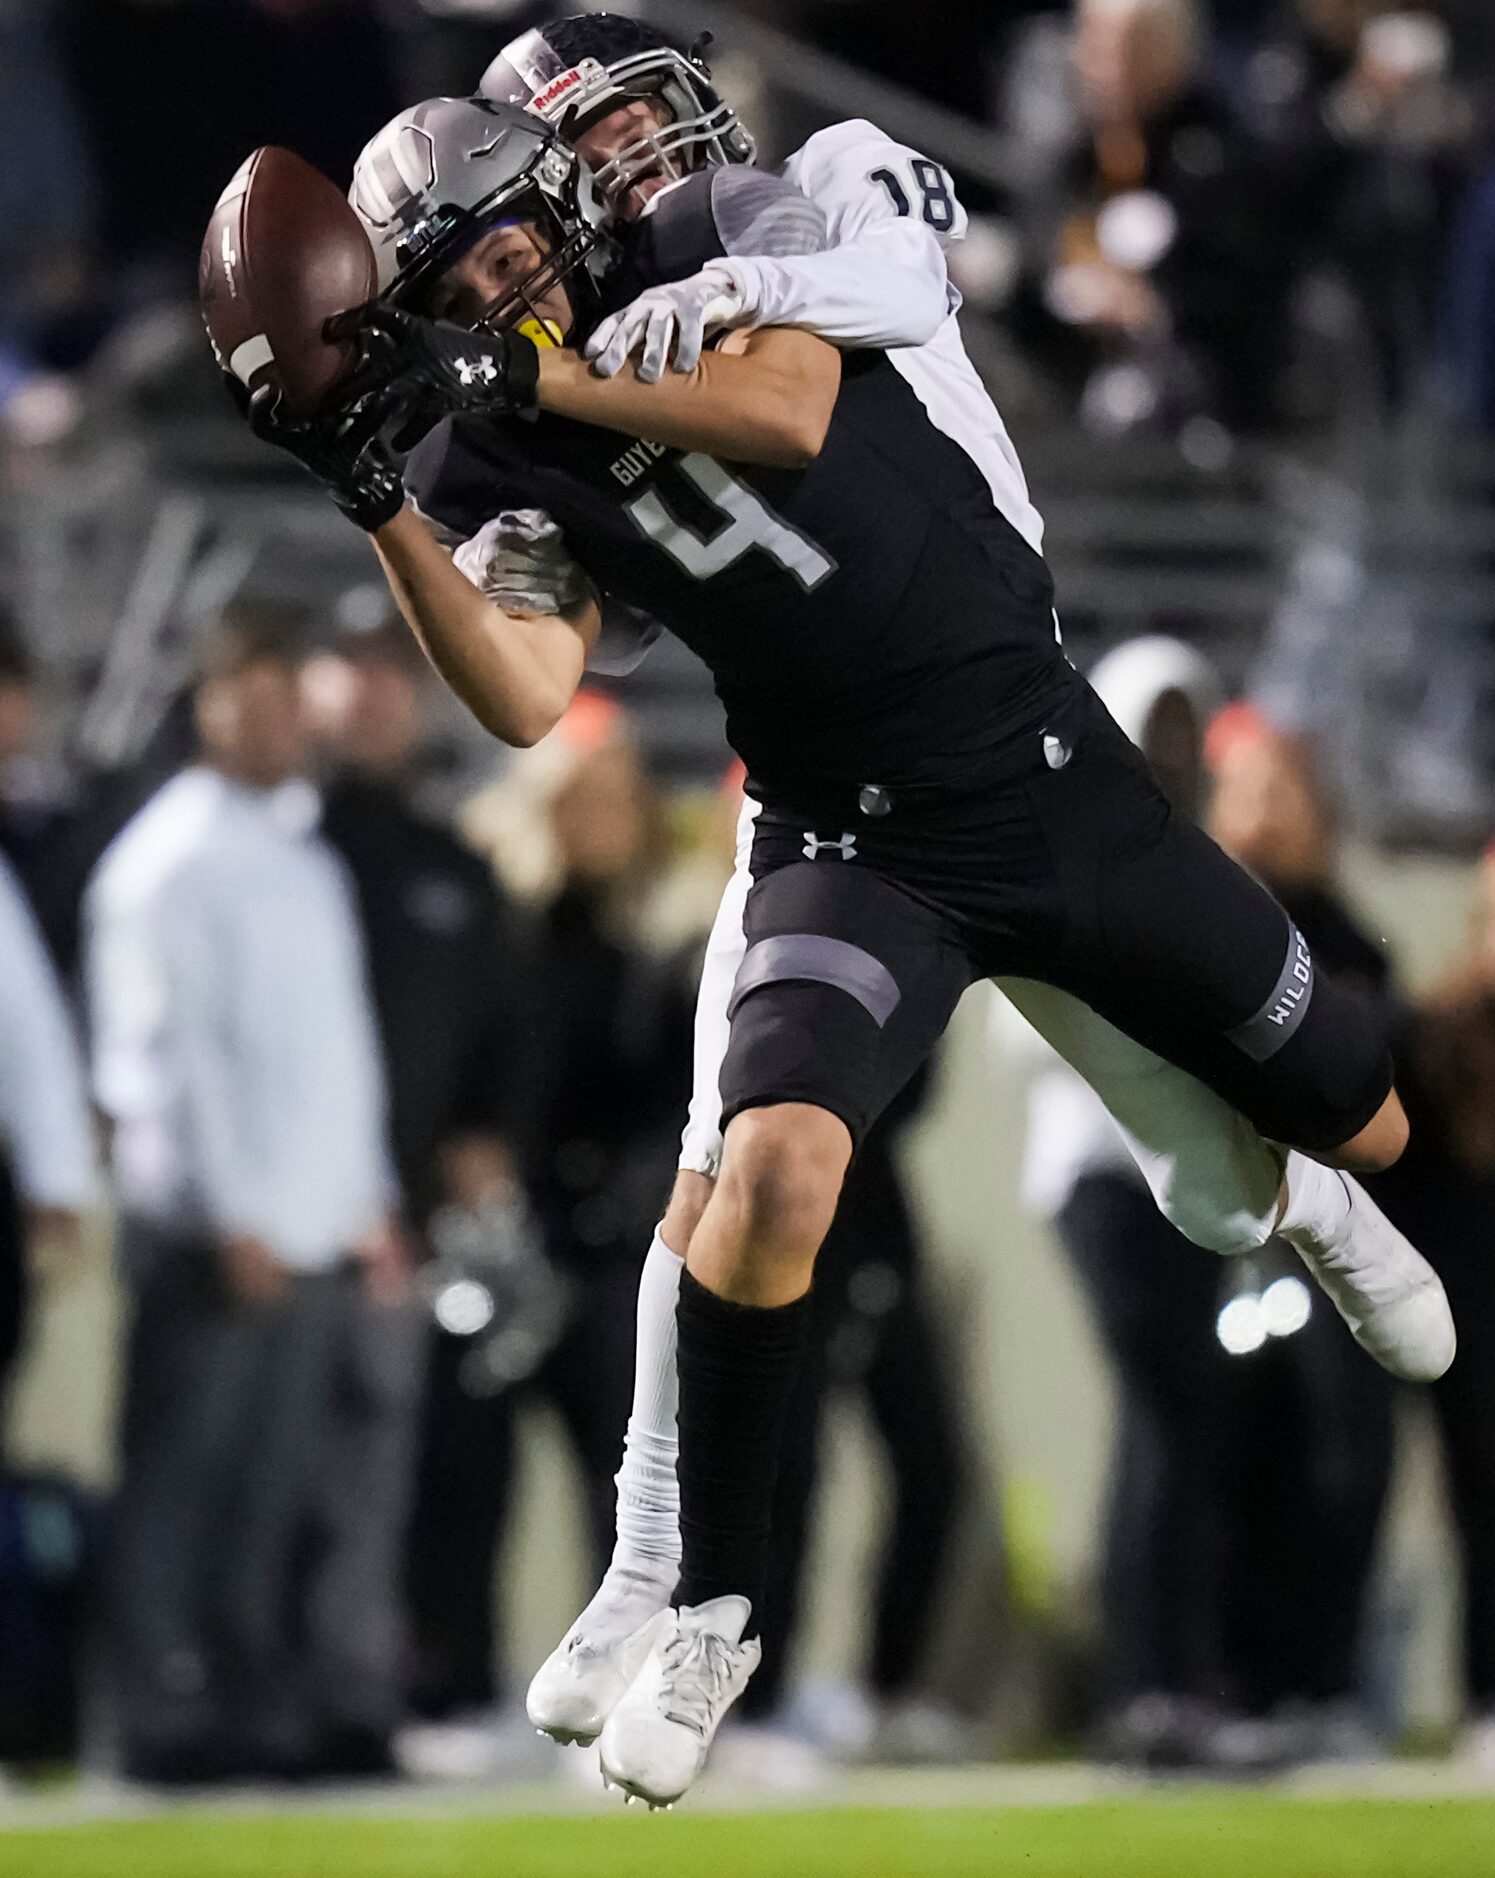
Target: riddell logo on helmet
588, 72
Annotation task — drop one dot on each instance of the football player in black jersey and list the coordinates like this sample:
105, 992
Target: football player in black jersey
941, 797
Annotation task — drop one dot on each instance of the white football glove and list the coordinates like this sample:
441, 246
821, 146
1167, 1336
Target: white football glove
520, 560
670, 323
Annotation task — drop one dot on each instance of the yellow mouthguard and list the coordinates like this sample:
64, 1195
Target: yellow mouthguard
543, 332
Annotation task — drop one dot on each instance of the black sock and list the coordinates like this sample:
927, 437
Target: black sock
737, 1366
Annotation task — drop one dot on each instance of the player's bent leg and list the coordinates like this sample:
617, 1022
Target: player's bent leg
773, 1204
1378, 1145
1179, 947
742, 1322
579, 1684
844, 985
585, 1676
1229, 1190
1210, 1173
583, 1679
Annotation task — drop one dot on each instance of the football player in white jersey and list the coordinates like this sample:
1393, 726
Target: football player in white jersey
641, 115
1216, 1178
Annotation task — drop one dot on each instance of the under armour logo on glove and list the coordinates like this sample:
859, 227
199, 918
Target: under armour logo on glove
417, 371
846, 847
480, 372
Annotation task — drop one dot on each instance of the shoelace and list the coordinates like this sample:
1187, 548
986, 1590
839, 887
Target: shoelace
697, 1665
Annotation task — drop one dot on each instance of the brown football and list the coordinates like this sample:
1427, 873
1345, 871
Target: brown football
283, 253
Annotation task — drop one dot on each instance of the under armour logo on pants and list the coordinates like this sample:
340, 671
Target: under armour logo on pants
846, 847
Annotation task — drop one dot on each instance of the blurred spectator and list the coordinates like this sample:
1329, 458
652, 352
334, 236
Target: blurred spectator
45, 199
47, 1179
1443, 1190
33, 795
601, 1075
442, 966
1368, 129
46, 1137
236, 1055
1309, 1476
1468, 327
435, 924
1161, 225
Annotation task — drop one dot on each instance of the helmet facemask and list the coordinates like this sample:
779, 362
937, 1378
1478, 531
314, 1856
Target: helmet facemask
565, 258
571, 256
701, 130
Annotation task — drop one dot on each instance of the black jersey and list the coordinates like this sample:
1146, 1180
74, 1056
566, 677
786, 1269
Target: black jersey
872, 617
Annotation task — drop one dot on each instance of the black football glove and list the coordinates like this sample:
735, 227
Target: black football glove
342, 448
420, 370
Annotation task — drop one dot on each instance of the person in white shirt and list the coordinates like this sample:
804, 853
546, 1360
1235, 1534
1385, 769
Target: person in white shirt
46, 1137
236, 1058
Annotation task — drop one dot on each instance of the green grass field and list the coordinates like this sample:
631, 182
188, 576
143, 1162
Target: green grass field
1147, 1837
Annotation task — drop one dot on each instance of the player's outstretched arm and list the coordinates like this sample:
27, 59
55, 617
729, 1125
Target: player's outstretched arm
764, 397
886, 289
859, 259
515, 673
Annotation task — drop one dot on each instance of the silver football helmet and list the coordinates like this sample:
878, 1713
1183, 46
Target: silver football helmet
444, 172
574, 71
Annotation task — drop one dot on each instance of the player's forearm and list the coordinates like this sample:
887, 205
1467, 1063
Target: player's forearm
771, 404
887, 288
516, 675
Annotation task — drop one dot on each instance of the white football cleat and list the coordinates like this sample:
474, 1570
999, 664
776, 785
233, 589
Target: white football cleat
1384, 1289
584, 1678
657, 1738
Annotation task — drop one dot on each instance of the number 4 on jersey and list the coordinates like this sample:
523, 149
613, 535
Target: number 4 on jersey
751, 524
936, 197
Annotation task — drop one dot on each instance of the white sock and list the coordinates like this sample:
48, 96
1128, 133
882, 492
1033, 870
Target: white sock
648, 1490
1318, 1203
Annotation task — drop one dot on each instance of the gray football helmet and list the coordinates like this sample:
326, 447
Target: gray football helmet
444, 172
573, 71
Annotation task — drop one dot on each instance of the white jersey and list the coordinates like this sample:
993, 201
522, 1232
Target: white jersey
890, 212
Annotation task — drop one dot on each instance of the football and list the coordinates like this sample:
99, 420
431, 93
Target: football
283, 253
